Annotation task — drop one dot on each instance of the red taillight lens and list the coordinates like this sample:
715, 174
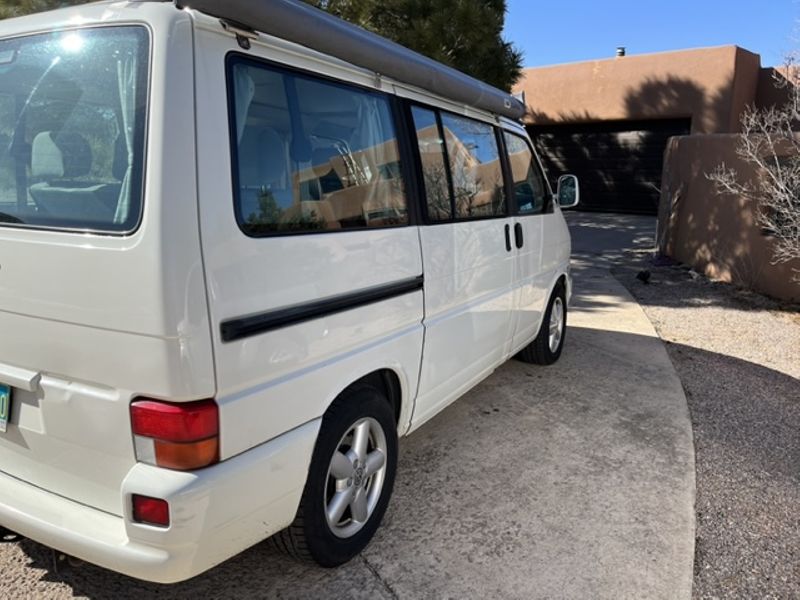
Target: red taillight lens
152, 511
185, 422
176, 435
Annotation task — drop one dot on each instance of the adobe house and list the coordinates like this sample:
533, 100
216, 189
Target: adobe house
608, 121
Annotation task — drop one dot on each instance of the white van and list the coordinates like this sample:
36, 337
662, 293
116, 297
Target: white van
244, 246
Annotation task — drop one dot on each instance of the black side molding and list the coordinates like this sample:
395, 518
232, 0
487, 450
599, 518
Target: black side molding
243, 327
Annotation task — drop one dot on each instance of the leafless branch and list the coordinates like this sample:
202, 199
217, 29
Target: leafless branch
771, 146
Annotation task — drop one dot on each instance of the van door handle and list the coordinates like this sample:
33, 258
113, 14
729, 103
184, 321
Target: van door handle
518, 235
508, 238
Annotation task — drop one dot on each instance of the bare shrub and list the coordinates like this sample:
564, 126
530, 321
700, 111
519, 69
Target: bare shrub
770, 144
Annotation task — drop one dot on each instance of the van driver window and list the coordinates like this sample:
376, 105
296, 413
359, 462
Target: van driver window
530, 191
312, 155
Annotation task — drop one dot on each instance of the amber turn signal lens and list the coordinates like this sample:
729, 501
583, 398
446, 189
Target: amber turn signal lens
187, 456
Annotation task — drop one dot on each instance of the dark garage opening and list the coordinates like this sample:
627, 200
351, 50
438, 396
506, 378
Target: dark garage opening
619, 163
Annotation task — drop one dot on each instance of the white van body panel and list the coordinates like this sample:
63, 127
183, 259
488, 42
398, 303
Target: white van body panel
218, 512
469, 301
73, 305
90, 322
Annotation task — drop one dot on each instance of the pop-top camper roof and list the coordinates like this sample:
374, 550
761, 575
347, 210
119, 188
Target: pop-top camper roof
303, 24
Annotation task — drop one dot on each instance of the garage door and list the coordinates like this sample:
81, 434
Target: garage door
618, 163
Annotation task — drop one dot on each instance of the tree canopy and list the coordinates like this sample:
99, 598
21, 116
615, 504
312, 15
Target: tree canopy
18, 8
464, 34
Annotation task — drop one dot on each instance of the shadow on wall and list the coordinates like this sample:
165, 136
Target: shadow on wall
623, 166
678, 96
620, 162
717, 234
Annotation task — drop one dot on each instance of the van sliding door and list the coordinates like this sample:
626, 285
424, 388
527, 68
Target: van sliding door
467, 253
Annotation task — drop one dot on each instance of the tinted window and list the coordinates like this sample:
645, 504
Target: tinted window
312, 155
530, 191
72, 120
434, 171
475, 167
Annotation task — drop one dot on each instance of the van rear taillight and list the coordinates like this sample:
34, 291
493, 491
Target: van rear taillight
181, 436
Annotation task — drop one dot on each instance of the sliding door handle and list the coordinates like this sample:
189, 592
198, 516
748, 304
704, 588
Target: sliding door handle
508, 238
518, 235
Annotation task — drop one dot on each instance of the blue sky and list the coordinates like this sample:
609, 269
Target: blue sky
559, 31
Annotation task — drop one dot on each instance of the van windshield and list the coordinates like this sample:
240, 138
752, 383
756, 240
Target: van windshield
73, 106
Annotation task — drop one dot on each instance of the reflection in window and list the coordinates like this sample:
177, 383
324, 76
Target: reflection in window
530, 191
475, 167
313, 155
434, 172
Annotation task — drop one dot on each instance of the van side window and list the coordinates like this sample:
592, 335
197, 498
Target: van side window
475, 168
434, 169
530, 190
311, 155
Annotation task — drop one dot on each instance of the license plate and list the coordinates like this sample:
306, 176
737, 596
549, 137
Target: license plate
5, 406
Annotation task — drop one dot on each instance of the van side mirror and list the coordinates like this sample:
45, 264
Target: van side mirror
569, 191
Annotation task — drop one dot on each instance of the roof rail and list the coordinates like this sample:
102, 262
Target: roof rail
308, 26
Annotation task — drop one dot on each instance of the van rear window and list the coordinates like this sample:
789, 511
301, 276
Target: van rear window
311, 155
72, 126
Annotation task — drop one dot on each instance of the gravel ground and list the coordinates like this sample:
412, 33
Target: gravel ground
738, 356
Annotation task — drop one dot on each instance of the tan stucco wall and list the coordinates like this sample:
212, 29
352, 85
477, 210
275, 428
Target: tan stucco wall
769, 93
709, 85
716, 234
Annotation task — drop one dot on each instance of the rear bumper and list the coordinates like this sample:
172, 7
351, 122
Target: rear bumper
215, 513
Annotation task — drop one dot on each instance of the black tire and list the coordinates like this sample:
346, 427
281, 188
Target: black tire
538, 352
310, 537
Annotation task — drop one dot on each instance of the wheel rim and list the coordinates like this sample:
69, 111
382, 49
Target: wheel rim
355, 477
556, 324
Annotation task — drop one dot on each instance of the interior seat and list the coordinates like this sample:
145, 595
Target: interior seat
263, 170
62, 163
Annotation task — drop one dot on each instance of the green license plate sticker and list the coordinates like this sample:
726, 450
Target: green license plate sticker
5, 406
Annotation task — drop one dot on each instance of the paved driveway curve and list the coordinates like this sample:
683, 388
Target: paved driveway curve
571, 481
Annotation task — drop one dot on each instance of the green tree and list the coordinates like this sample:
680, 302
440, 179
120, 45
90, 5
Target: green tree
17, 8
465, 34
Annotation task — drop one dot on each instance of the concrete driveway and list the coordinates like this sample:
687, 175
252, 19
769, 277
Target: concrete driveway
570, 481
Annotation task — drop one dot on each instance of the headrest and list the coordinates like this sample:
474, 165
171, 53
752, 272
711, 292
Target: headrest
262, 157
66, 155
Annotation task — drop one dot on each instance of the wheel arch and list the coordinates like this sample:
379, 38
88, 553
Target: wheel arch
392, 381
387, 381
561, 278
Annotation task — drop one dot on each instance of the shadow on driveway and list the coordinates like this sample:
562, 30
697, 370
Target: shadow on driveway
567, 481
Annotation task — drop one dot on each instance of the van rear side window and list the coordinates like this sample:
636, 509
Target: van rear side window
433, 160
311, 155
73, 107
